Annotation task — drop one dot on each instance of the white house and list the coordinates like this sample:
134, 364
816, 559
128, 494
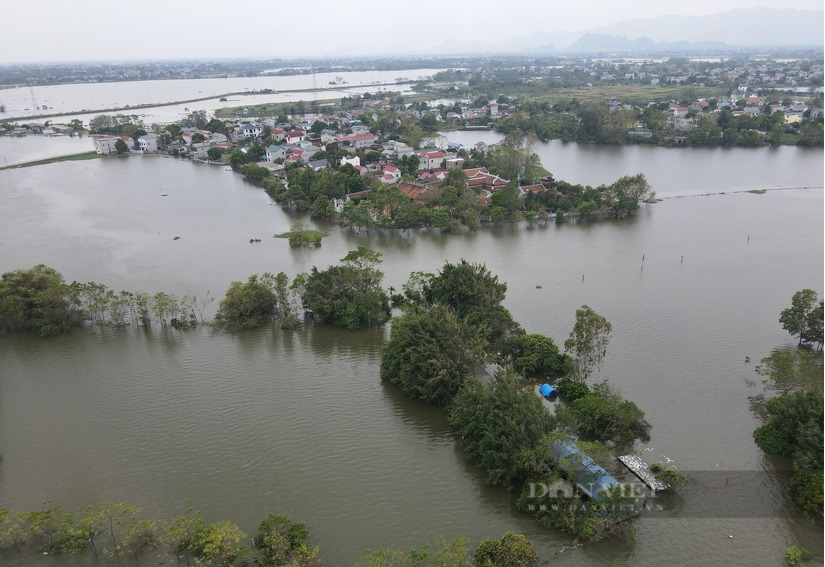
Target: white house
431, 159
148, 143
328, 135
251, 130
294, 136
354, 161
105, 145
363, 140
274, 152
391, 174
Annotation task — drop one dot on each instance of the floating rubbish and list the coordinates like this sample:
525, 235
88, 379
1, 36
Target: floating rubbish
176, 238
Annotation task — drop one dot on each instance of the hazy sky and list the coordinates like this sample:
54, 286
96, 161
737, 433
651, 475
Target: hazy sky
71, 30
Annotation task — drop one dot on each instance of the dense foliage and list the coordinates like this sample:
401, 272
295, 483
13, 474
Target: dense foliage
475, 294
248, 304
280, 541
37, 300
349, 295
804, 318
119, 530
510, 550
605, 416
588, 341
536, 354
794, 429
501, 426
430, 353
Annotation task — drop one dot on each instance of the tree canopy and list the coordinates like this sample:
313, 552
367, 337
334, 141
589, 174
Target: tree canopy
588, 341
501, 426
37, 299
536, 355
349, 295
249, 304
798, 318
430, 353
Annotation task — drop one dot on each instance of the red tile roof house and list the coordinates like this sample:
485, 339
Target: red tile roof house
413, 190
480, 179
391, 174
430, 160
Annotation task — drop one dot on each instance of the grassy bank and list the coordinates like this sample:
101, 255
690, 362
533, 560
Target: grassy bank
73, 157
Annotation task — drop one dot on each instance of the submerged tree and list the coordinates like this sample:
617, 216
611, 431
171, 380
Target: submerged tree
430, 353
37, 299
248, 305
588, 341
349, 295
797, 318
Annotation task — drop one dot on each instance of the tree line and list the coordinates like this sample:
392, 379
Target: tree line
793, 419
119, 530
38, 299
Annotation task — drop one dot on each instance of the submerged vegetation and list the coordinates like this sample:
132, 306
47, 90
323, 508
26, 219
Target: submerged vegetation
793, 425
117, 530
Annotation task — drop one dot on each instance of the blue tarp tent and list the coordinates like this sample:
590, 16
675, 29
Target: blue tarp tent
547, 390
590, 477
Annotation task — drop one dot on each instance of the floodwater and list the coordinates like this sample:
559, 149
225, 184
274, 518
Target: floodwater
71, 98
299, 422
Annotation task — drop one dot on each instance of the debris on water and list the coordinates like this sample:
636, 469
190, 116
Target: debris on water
176, 238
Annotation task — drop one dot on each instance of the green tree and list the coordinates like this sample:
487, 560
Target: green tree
794, 429
218, 544
216, 125
37, 300
349, 295
536, 354
120, 146
588, 341
794, 319
180, 534
814, 326
605, 416
789, 371
280, 541
502, 426
510, 550
430, 353
214, 154
475, 294
248, 305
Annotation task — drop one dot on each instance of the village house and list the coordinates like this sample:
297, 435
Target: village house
391, 174
294, 136
354, 161
328, 135
278, 134
413, 190
318, 164
250, 130
105, 145
481, 179
430, 159
274, 152
148, 143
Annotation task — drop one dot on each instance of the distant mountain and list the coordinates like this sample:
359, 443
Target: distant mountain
741, 28
752, 27
594, 42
